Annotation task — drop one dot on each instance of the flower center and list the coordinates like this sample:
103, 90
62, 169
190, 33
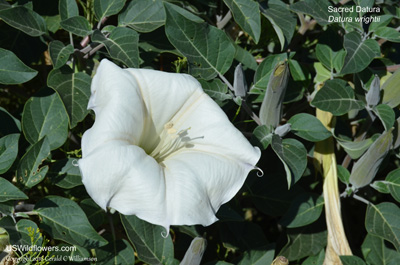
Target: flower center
171, 140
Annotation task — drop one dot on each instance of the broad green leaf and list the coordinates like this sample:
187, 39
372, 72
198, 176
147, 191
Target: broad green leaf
271, 106
8, 151
393, 182
260, 256
325, 55
29, 231
65, 174
386, 115
365, 169
380, 186
122, 45
315, 260
68, 9
13, 70
265, 69
303, 242
74, 90
323, 74
305, 209
360, 52
44, 115
216, 89
262, 135
63, 219
245, 57
77, 25
351, 260
25, 20
391, 90
94, 213
382, 220
293, 155
383, 21
8, 124
208, 49
246, 13
296, 71
376, 252
9, 192
116, 252
59, 53
308, 127
7, 223
336, 97
319, 9
147, 239
343, 174
143, 16
52, 23
106, 8
388, 33
29, 172
195, 252
356, 149
282, 20
338, 60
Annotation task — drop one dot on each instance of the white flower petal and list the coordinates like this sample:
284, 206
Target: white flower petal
160, 148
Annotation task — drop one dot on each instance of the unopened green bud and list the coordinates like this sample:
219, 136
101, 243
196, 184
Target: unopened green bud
373, 95
271, 107
365, 169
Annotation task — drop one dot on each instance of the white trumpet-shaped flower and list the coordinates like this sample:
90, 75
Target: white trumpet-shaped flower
160, 148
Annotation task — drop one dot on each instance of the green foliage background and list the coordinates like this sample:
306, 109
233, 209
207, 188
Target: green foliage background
294, 58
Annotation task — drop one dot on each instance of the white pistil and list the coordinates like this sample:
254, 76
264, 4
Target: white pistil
170, 141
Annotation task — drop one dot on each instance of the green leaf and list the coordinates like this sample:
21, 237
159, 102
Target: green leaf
356, 149
343, 174
117, 252
77, 25
216, 89
74, 90
375, 251
323, 74
245, 57
293, 155
382, 220
9, 192
391, 90
383, 21
305, 209
147, 239
8, 151
308, 127
26, 229
52, 23
336, 97
262, 135
59, 53
386, 115
122, 45
282, 20
208, 49
325, 55
106, 8
7, 223
246, 13
365, 169
13, 70
360, 52
271, 106
28, 173
258, 256
65, 174
351, 260
380, 186
296, 71
68, 9
94, 213
393, 182
303, 242
389, 34
315, 260
63, 219
25, 20
319, 9
143, 16
44, 115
